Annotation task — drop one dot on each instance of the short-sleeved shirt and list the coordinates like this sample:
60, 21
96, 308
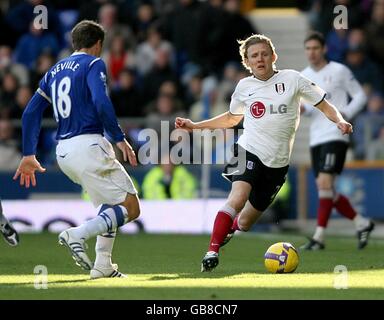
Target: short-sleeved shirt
271, 112
340, 85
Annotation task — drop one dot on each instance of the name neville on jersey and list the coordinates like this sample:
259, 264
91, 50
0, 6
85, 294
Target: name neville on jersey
72, 65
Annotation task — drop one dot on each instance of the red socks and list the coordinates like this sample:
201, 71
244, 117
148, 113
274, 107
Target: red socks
221, 228
324, 211
344, 207
235, 224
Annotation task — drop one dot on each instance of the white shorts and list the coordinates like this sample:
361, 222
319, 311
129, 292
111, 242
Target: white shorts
89, 160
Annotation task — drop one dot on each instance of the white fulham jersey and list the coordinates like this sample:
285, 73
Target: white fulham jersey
340, 85
271, 112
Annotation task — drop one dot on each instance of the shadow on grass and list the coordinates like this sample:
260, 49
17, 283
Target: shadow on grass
22, 284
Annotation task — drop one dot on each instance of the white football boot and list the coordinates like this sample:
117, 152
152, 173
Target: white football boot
9, 232
77, 248
106, 272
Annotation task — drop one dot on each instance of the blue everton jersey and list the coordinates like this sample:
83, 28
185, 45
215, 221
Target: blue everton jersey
77, 90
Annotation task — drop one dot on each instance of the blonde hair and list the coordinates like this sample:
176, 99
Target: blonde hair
251, 40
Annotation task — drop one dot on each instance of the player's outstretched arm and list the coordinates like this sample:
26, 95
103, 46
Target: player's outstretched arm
334, 115
26, 171
222, 121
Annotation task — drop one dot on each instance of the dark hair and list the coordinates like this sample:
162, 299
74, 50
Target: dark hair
86, 34
315, 35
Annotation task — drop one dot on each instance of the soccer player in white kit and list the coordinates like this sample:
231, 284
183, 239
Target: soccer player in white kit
328, 146
76, 88
269, 102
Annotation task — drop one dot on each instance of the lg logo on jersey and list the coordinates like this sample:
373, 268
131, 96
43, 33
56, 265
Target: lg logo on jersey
258, 109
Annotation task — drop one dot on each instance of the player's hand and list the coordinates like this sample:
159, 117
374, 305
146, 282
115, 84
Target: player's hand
345, 127
26, 171
182, 123
128, 153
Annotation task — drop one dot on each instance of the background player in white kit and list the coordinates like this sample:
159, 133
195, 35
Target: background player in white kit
328, 146
269, 102
76, 87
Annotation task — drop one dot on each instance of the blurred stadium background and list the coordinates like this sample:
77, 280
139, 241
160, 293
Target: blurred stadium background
167, 58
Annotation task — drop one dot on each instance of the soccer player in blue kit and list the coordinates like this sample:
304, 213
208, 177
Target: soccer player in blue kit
76, 88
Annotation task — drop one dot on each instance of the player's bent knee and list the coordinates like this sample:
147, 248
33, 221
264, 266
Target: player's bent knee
134, 213
132, 205
244, 224
324, 182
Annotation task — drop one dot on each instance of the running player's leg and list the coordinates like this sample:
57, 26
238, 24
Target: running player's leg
323, 160
223, 222
342, 204
7, 230
328, 161
90, 161
260, 198
103, 266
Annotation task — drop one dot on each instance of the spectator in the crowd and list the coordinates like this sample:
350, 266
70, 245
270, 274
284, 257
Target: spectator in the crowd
89, 9
125, 96
193, 90
146, 51
109, 20
182, 29
6, 36
337, 44
34, 43
165, 111
162, 71
44, 62
23, 95
164, 7
229, 81
8, 89
236, 26
170, 89
210, 43
9, 149
368, 125
321, 15
20, 17
356, 38
118, 57
142, 21
210, 104
365, 71
6, 65
376, 147
375, 31
169, 181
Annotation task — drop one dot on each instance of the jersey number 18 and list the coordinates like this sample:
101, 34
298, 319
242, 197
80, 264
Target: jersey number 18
61, 100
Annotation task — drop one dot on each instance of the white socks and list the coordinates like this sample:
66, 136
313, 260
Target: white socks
104, 246
319, 234
361, 222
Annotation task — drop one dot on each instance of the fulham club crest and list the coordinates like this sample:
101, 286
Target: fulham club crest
280, 88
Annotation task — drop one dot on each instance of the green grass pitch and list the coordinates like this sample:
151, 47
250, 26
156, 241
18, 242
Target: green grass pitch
168, 267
